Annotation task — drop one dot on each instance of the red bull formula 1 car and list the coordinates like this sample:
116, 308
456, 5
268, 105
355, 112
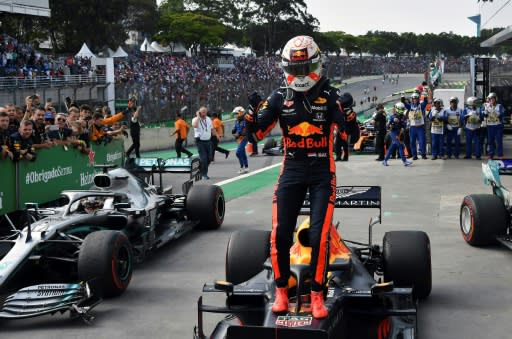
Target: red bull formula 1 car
371, 291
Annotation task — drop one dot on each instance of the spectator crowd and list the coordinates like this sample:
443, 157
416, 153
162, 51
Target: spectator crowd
24, 130
22, 61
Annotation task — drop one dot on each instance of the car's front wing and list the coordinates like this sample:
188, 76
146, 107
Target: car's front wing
37, 300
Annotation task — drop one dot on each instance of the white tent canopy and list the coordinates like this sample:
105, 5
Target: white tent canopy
236, 51
146, 47
85, 52
159, 47
119, 53
177, 47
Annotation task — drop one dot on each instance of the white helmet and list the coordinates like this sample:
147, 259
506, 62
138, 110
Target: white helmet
302, 63
415, 96
454, 99
492, 95
238, 109
399, 108
471, 101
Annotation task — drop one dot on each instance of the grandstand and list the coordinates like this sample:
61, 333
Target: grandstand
164, 83
27, 7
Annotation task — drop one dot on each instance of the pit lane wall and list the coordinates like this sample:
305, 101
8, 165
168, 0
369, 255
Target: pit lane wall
157, 138
55, 169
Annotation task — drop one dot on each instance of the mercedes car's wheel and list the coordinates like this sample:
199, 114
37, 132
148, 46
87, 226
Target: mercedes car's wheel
206, 204
482, 218
407, 261
106, 262
269, 143
245, 255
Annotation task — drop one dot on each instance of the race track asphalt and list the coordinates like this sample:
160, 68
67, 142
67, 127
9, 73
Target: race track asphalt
471, 293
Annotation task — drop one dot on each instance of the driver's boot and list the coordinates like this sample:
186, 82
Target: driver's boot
317, 305
281, 302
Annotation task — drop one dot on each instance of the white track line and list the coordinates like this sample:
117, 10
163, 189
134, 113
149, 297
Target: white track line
247, 175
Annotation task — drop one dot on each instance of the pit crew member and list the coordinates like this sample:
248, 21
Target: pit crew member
397, 124
494, 113
416, 117
437, 117
472, 118
453, 129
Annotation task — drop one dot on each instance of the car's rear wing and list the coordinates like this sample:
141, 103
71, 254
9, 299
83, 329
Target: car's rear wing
150, 166
170, 165
352, 197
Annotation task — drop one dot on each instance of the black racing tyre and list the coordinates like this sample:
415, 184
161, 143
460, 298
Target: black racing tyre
245, 254
206, 204
407, 261
482, 218
269, 143
106, 262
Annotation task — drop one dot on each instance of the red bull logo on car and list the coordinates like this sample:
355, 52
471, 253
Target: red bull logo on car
305, 129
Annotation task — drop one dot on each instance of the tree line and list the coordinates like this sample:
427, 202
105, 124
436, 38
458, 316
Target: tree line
263, 25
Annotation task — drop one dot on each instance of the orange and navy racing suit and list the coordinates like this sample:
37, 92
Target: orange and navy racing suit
307, 121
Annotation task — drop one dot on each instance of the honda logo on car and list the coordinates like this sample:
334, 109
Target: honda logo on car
293, 321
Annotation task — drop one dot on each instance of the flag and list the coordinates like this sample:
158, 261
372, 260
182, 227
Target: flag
476, 19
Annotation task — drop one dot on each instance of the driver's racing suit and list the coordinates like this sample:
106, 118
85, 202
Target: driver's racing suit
307, 121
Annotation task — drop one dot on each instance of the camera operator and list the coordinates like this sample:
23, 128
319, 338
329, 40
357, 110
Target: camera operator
135, 133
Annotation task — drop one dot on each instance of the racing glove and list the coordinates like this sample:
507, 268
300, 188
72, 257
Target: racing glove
250, 122
459, 131
449, 127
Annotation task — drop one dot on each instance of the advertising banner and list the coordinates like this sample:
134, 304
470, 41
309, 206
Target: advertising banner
7, 186
57, 169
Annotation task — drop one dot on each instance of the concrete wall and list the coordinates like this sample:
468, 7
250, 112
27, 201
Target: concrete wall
153, 139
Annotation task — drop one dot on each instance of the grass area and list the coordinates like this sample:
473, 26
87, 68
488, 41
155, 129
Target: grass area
238, 188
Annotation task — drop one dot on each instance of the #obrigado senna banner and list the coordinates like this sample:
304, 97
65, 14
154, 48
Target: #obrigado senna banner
54, 170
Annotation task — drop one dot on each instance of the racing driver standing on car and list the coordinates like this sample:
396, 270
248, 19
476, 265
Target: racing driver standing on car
308, 109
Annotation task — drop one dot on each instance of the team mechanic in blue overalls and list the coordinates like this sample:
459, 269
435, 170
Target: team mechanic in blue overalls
308, 109
396, 125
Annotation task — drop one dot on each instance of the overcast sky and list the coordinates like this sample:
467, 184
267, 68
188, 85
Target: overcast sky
357, 17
